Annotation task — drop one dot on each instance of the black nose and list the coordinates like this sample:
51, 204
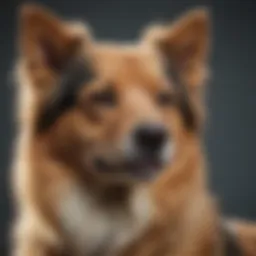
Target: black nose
150, 137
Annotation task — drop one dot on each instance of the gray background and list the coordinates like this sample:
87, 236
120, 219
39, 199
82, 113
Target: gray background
231, 97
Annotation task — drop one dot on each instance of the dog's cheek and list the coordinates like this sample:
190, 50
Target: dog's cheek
93, 114
90, 126
174, 123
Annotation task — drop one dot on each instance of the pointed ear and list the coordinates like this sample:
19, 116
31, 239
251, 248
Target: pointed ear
185, 44
46, 42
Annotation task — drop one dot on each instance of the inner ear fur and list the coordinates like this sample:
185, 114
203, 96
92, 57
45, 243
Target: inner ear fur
184, 45
46, 42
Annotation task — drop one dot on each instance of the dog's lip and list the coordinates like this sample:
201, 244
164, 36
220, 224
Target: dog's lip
146, 168
142, 166
144, 163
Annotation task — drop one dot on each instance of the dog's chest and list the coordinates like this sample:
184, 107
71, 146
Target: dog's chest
94, 229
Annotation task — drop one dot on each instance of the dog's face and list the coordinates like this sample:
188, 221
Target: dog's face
130, 105
118, 111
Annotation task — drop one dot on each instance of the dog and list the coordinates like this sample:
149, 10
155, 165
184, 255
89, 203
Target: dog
108, 157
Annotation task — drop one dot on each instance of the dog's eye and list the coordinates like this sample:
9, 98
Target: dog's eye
106, 98
165, 99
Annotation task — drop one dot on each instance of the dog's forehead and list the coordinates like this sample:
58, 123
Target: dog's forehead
127, 64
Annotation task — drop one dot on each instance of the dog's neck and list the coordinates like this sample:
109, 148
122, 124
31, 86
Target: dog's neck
101, 220
108, 195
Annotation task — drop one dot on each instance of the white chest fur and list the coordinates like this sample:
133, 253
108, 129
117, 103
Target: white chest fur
93, 228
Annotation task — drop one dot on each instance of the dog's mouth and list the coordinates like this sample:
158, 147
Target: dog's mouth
134, 164
143, 168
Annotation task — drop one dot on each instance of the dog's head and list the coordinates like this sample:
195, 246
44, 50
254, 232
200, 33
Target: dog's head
115, 110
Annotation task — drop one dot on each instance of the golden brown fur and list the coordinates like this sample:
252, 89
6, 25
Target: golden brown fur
172, 215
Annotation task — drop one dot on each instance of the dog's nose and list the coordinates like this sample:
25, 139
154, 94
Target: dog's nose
150, 137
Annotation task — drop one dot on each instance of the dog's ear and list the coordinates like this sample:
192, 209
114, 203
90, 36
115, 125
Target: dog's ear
46, 42
185, 44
